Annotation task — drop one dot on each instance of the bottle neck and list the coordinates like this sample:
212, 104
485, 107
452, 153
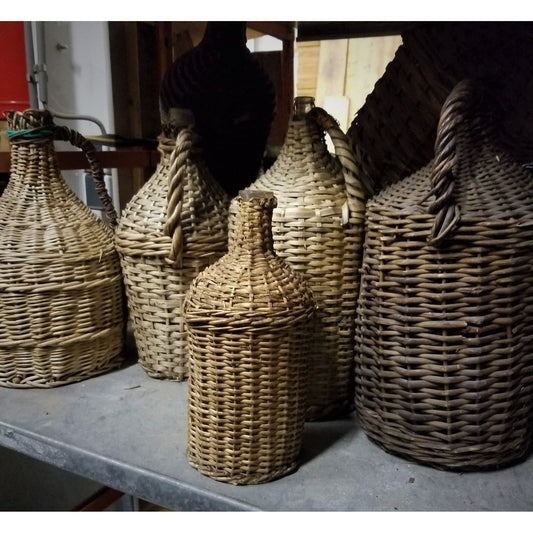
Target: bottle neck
302, 106
227, 34
253, 227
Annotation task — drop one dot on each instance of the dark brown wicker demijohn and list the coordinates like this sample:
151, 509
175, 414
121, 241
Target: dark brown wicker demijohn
393, 133
444, 353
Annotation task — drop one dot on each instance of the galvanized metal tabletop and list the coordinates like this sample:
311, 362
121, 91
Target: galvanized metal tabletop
128, 431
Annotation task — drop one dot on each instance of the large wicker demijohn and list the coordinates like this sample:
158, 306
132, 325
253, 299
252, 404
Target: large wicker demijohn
232, 99
247, 318
61, 292
444, 354
318, 229
173, 228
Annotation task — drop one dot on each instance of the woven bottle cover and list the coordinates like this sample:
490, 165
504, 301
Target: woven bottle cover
444, 364
247, 321
61, 292
232, 98
169, 232
318, 230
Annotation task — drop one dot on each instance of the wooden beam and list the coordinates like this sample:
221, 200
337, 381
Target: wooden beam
100, 500
281, 30
320, 31
143, 159
164, 47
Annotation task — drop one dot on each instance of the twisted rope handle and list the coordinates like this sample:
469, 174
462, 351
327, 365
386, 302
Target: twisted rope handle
447, 212
63, 133
180, 159
358, 190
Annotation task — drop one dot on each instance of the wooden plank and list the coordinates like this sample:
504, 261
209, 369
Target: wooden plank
281, 30
367, 60
307, 76
312, 31
331, 71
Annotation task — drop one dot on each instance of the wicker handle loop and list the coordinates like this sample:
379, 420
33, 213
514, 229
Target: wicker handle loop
447, 212
358, 190
62, 133
180, 159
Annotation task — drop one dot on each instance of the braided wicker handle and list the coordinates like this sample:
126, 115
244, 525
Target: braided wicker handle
181, 157
358, 190
62, 133
447, 213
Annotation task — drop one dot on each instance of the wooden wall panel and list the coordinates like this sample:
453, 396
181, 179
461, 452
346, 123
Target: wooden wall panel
307, 55
340, 73
367, 60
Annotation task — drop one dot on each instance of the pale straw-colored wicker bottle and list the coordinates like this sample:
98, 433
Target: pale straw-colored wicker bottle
61, 294
247, 324
318, 229
173, 228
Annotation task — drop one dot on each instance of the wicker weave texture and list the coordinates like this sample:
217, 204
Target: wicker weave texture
444, 364
61, 292
157, 273
318, 229
247, 320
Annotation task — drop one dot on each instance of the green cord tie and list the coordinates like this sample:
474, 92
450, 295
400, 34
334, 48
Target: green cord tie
31, 133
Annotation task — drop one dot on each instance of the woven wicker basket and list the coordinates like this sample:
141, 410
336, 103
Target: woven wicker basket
169, 232
444, 357
318, 230
247, 318
393, 133
61, 292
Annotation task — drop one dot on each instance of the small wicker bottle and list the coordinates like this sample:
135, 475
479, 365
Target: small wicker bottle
318, 229
247, 317
173, 228
61, 293
444, 356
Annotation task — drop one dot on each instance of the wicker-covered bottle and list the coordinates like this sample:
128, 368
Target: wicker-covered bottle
318, 229
232, 98
61, 293
173, 228
247, 317
444, 354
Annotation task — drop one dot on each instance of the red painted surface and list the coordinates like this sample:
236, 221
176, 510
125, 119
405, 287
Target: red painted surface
14, 94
